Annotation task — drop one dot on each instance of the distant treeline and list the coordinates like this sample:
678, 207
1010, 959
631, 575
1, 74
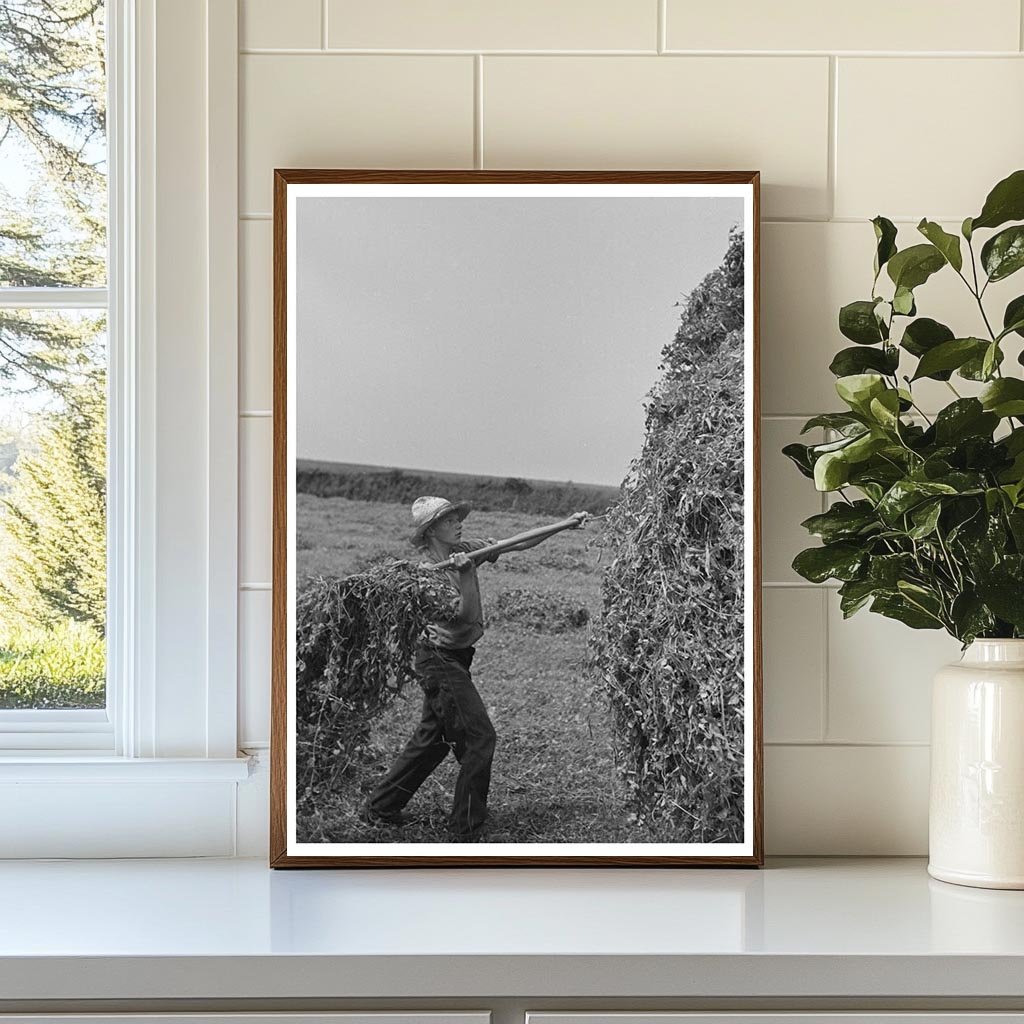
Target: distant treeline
484, 493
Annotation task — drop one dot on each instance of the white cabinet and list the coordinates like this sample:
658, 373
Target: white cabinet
361, 1017
785, 1017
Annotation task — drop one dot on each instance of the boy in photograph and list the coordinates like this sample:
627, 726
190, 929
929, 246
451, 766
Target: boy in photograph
454, 716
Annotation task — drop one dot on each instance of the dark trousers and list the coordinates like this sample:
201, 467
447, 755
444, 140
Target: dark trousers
455, 719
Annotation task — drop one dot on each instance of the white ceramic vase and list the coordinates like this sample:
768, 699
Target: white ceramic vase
976, 812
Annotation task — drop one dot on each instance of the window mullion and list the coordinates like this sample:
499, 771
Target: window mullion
53, 298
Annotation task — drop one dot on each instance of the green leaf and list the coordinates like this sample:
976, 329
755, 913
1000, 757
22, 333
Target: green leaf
841, 561
965, 229
841, 421
1014, 441
799, 455
855, 594
899, 608
857, 321
1003, 254
925, 518
966, 417
1005, 597
858, 389
912, 267
1013, 317
863, 447
849, 361
887, 570
990, 360
950, 355
1015, 492
970, 617
923, 335
881, 471
885, 237
1015, 520
994, 500
974, 368
1005, 202
906, 494
947, 244
903, 302
843, 521
885, 409
963, 482
831, 471
818, 450
1004, 397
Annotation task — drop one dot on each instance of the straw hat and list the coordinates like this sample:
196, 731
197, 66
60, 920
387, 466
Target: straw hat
427, 510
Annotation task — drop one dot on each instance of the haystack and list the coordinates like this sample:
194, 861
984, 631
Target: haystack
669, 645
355, 639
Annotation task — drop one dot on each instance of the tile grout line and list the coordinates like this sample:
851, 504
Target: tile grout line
826, 690
662, 42
911, 221
831, 170
824, 723
478, 111
323, 24
855, 744
829, 585
1020, 24
338, 51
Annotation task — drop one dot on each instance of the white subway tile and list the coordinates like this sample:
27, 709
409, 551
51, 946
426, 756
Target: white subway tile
869, 25
255, 504
847, 801
809, 271
685, 113
793, 630
880, 675
255, 320
926, 137
351, 111
787, 499
254, 618
496, 25
270, 24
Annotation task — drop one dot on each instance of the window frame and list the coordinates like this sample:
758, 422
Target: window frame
59, 730
173, 436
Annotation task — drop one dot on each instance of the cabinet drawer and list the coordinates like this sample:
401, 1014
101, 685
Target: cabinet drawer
785, 1017
355, 1017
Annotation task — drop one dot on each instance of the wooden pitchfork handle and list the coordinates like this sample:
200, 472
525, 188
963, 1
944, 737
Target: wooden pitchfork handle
504, 545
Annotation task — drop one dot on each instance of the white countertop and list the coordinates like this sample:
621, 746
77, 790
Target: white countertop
234, 929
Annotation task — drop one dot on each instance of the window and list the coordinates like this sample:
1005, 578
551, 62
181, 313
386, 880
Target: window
155, 770
53, 371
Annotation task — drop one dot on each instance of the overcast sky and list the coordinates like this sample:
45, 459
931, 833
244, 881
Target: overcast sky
514, 337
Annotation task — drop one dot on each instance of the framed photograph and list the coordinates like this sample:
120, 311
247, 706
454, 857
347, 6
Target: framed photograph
516, 614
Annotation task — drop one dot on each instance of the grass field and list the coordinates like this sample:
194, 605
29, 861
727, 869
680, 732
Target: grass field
60, 667
554, 778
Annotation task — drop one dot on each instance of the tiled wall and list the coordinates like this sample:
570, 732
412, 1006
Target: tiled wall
909, 109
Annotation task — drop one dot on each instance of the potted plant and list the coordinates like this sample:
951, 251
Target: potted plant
927, 521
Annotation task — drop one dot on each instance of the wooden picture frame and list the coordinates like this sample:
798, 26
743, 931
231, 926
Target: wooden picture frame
395, 216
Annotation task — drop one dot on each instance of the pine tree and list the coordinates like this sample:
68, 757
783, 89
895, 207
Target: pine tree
53, 125
52, 122
53, 519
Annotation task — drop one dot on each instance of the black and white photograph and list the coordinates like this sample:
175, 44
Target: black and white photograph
516, 557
